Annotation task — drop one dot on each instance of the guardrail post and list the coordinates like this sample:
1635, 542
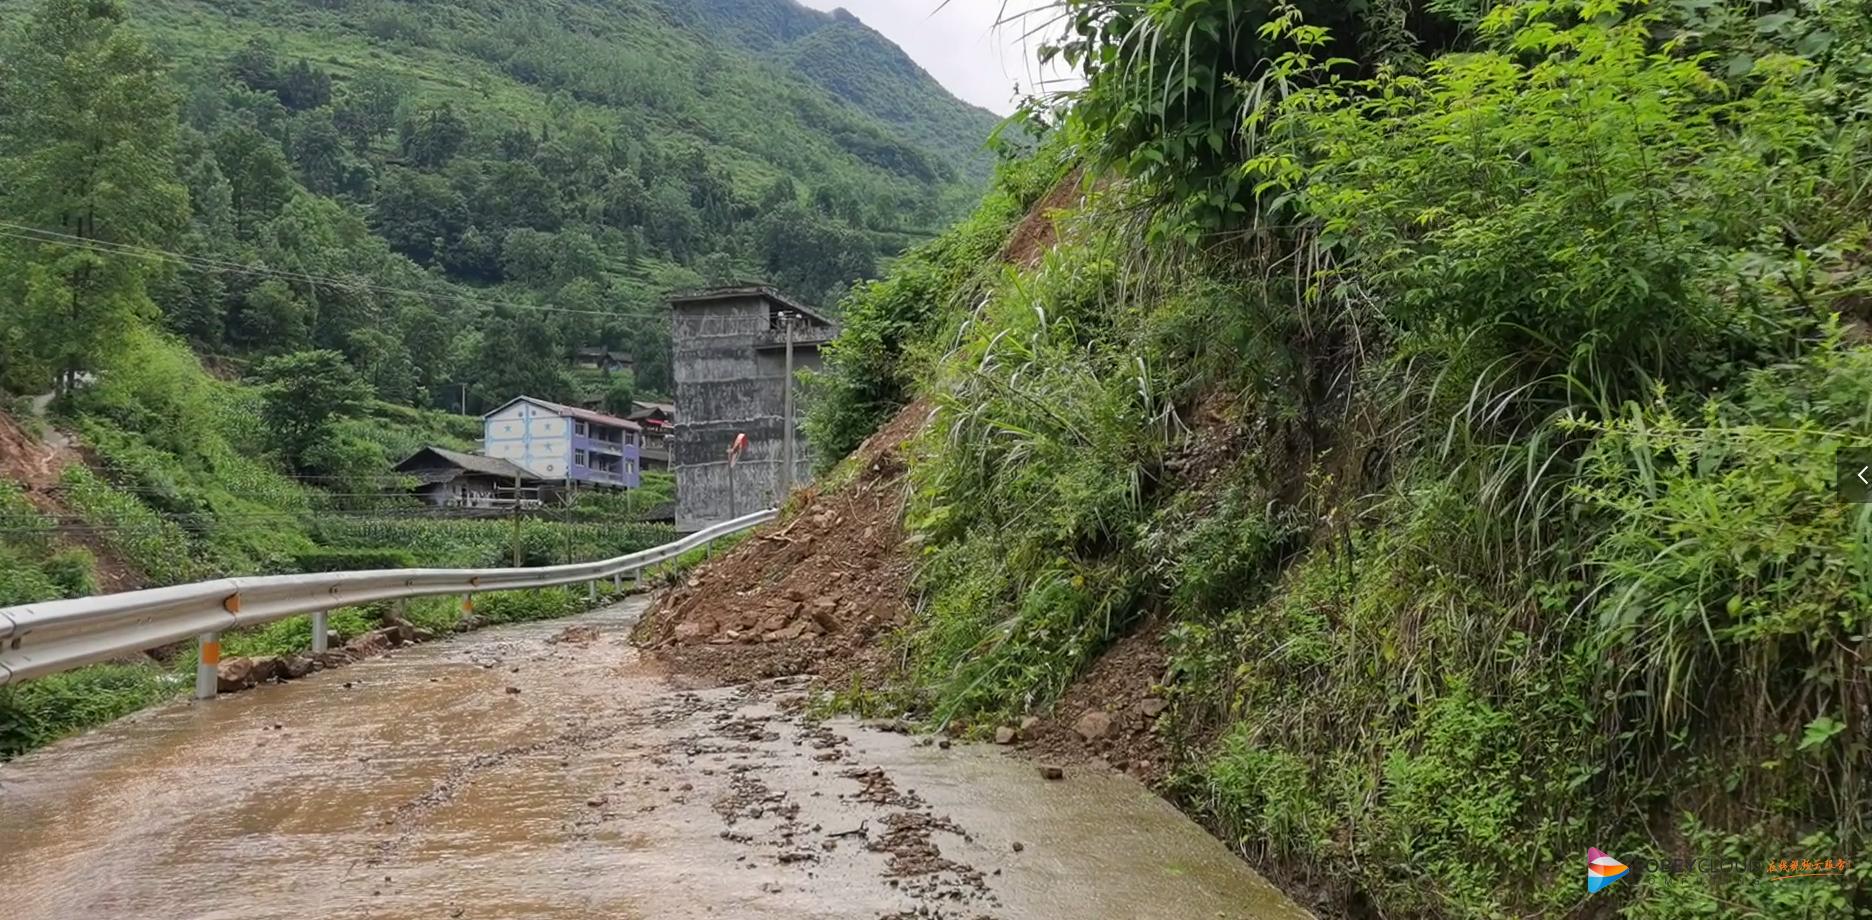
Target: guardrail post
467, 607
321, 633
617, 581
208, 667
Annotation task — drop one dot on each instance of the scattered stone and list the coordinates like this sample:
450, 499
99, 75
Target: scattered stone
514, 691
1028, 722
1005, 734
1095, 724
582, 634
1050, 771
1019, 846
1152, 707
295, 667
689, 631
235, 674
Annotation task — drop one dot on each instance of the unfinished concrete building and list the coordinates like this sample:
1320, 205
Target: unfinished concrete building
730, 369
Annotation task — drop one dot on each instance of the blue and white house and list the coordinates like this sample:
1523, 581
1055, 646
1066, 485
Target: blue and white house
565, 443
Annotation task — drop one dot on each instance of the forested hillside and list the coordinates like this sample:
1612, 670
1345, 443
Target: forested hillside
838, 52
453, 194
1437, 405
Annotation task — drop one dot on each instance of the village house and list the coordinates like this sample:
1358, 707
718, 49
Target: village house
565, 444
449, 479
608, 360
659, 422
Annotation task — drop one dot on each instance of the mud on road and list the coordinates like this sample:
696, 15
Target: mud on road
547, 771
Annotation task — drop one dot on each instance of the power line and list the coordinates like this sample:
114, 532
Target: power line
31, 234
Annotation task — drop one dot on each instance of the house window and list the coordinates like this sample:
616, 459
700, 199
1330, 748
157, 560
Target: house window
580, 458
579, 428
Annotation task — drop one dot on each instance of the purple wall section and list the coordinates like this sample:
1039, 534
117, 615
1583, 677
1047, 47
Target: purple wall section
628, 457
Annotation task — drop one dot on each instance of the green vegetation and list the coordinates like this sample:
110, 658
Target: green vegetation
1459, 388
463, 198
42, 711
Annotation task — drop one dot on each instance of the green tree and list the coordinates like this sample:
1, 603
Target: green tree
530, 256
620, 394
670, 221
419, 214
807, 253
305, 393
87, 151
258, 178
256, 64
385, 363
303, 87
519, 356
211, 197
318, 152
426, 336
514, 196
367, 108
271, 318
433, 136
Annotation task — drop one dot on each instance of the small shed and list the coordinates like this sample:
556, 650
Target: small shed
451, 479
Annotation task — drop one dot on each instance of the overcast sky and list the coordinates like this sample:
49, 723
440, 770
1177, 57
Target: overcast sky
959, 44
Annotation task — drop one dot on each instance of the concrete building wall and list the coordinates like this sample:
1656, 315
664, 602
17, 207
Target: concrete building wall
730, 379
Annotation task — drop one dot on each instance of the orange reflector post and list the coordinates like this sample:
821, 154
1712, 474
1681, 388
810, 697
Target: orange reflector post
231, 603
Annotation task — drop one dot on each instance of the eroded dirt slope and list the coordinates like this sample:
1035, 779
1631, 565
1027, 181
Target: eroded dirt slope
811, 595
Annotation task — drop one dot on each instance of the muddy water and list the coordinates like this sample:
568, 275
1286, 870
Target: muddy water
528, 772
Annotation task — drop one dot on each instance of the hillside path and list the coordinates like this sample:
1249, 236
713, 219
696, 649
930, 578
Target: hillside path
547, 771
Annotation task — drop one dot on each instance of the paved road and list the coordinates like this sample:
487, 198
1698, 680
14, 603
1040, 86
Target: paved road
546, 771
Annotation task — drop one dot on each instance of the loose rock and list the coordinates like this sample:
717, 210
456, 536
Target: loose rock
1094, 725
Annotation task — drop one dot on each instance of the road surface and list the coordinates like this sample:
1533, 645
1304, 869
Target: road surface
547, 771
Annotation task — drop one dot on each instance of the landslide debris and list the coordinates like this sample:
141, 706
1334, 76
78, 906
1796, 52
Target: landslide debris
810, 595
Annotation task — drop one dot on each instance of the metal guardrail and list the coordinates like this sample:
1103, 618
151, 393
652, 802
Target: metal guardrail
41, 639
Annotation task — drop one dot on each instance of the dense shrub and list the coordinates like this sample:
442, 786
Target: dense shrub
353, 560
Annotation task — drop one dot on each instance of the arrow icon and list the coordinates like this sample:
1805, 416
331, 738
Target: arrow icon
1862, 475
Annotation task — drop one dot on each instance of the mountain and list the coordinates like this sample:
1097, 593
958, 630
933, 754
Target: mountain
842, 55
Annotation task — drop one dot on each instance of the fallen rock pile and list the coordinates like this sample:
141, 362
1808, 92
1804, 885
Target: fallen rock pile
808, 595
243, 673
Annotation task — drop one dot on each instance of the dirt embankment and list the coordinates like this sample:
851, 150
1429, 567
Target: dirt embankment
35, 464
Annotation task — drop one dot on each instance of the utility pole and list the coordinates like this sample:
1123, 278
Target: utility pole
787, 320
516, 521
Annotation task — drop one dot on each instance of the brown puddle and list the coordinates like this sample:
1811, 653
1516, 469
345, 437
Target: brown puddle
427, 789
